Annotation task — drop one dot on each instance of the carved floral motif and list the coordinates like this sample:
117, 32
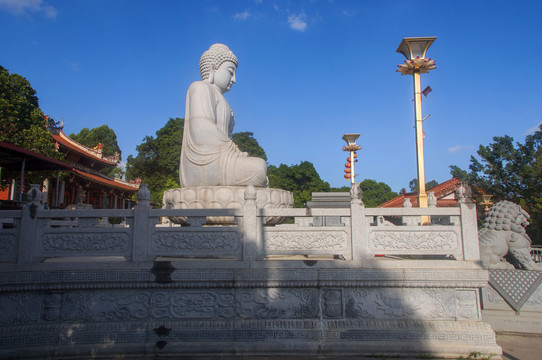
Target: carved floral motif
196, 241
298, 240
85, 242
390, 240
7, 243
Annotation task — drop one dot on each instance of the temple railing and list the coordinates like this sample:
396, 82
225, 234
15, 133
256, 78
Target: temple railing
36, 235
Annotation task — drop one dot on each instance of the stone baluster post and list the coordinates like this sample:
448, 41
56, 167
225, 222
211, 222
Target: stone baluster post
469, 223
359, 241
28, 238
251, 246
141, 233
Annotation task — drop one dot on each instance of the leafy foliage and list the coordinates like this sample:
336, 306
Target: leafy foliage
21, 121
101, 135
157, 162
510, 171
245, 142
300, 179
413, 184
23, 124
375, 193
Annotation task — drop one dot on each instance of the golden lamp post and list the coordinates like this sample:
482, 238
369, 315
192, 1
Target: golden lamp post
351, 148
414, 49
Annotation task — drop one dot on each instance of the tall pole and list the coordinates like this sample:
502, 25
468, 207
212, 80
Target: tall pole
414, 49
422, 195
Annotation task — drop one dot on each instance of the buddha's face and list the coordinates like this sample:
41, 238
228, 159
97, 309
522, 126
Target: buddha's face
224, 76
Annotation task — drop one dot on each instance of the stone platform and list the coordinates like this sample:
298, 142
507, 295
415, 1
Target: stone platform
73, 286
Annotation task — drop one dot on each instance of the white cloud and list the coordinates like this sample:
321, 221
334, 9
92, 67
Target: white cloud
459, 148
24, 7
242, 16
534, 129
297, 22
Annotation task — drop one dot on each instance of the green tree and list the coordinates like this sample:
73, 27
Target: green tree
101, 135
157, 162
22, 123
413, 184
510, 171
300, 179
245, 142
375, 193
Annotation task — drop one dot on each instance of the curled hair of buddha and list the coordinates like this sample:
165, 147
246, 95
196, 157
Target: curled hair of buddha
505, 216
214, 57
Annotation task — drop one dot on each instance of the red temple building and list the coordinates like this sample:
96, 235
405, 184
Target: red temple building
80, 178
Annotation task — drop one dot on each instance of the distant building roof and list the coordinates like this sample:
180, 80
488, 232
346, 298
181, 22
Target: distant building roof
12, 157
94, 157
113, 182
445, 194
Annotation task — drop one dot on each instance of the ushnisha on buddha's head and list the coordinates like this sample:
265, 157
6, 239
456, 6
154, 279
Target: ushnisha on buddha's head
218, 66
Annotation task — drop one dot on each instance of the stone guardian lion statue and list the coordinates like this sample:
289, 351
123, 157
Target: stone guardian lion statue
503, 233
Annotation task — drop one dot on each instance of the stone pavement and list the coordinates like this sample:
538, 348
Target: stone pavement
520, 346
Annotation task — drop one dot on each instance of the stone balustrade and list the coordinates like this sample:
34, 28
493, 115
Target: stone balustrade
36, 235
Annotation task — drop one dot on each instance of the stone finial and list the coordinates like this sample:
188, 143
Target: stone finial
144, 194
250, 193
431, 199
407, 203
464, 193
214, 57
355, 192
34, 195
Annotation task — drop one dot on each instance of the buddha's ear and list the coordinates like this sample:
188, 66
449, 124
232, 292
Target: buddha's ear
212, 69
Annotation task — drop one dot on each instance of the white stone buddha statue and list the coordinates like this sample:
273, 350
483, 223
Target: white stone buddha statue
208, 156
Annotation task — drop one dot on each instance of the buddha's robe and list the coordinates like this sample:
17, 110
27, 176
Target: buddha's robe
208, 156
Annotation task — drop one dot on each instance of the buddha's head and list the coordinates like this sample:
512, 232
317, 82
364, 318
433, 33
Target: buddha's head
218, 65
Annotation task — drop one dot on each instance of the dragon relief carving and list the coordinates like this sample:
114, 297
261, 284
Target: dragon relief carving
428, 303
278, 304
297, 240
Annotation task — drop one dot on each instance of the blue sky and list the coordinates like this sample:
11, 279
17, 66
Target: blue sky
309, 72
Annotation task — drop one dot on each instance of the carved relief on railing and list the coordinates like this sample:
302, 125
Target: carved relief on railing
195, 240
84, 242
8, 248
305, 240
427, 240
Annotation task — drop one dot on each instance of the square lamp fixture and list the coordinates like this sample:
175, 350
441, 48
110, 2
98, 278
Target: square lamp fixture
415, 47
350, 138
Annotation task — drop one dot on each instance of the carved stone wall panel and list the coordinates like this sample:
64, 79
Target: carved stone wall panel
332, 304
20, 308
410, 240
8, 247
468, 306
72, 243
394, 303
141, 305
306, 240
195, 241
278, 303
